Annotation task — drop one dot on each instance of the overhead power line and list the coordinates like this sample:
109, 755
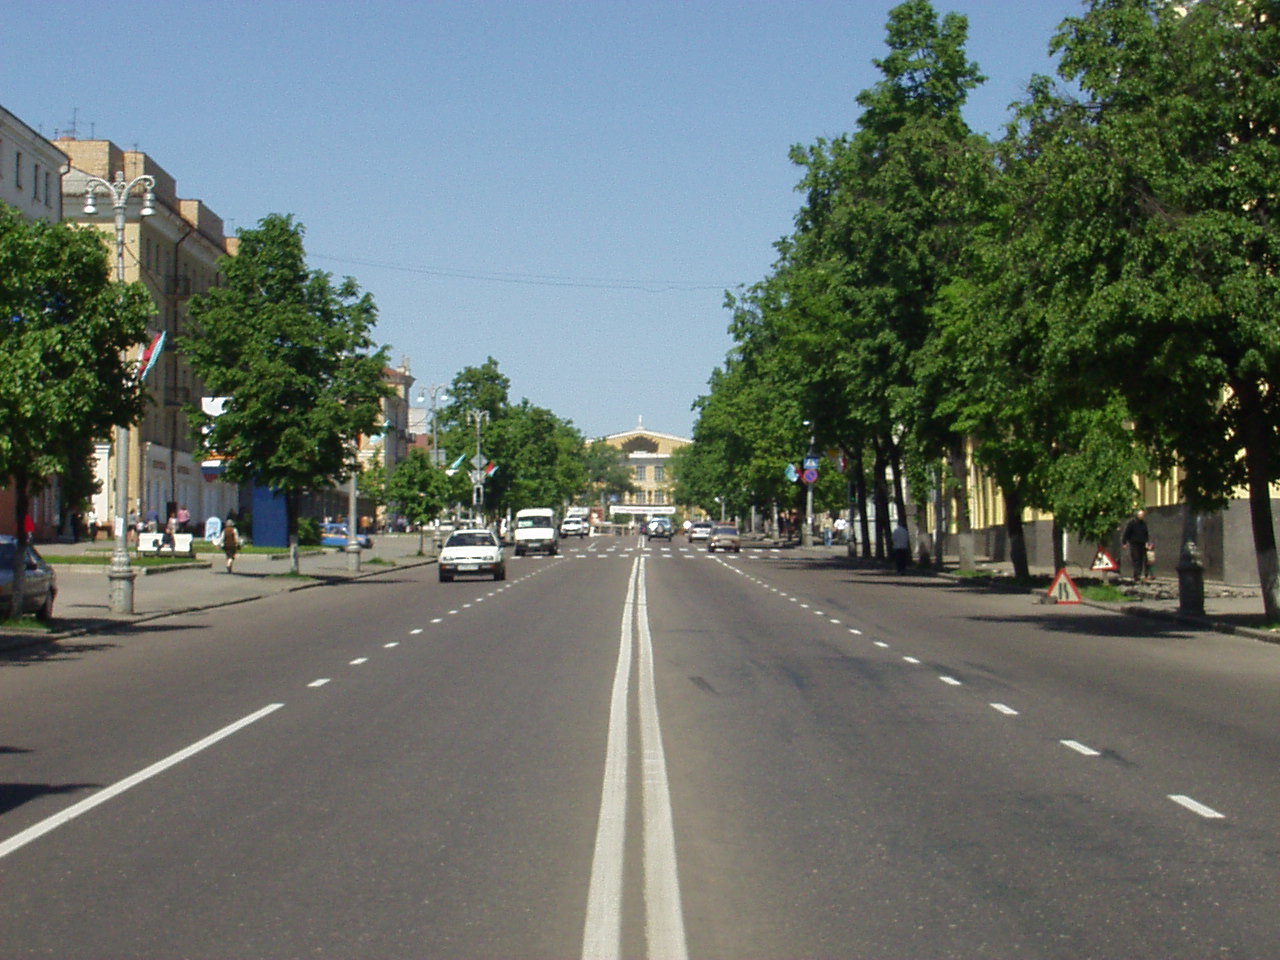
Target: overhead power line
589, 283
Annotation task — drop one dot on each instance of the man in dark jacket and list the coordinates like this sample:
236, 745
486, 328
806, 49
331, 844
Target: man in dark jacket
1137, 537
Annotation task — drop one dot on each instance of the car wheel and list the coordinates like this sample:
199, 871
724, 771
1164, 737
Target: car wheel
519, 552
500, 573
45, 613
444, 577
737, 549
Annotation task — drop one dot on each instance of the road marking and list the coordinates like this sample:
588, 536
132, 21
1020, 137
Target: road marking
1007, 711
857, 633
393, 643
359, 660
951, 681
318, 683
601, 935
834, 620
438, 620
664, 921
881, 643
1080, 748
664, 917
911, 660
417, 630
1196, 807
35, 831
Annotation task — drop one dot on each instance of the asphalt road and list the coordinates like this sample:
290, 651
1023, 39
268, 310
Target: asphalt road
642, 753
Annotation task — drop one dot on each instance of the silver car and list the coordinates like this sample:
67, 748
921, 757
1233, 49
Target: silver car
40, 585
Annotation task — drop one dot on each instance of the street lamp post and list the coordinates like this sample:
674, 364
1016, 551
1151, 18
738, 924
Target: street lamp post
806, 534
477, 484
121, 574
435, 456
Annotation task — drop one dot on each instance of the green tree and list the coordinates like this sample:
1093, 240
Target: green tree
607, 472
66, 336
541, 459
291, 350
1164, 208
420, 490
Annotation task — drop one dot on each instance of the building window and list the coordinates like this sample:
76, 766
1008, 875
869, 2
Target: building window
35, 181
46, 189
639, 473
659, 497
659, 474
17, 169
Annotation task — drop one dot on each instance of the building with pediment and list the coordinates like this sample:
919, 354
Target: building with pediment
648, 454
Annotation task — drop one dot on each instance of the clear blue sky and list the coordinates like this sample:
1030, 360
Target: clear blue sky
568, 187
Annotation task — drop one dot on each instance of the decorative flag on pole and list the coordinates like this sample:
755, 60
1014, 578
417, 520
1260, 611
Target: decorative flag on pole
791, 474
457, 463
151, 354
491, 469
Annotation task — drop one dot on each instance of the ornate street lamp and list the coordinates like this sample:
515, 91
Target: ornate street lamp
121, 573
477, 478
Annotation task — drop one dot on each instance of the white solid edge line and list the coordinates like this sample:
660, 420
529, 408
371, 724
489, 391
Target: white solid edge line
102, 796
1196, 807
664, 917
602, 932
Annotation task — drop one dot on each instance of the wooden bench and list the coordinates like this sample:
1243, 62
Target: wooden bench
183, 543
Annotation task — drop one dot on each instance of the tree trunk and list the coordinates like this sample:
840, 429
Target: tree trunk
1059, 554
291, 516
899, 490
1017, 541
964, 520
882, 502
864, 515
1257, 449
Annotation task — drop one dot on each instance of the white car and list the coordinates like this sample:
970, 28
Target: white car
472, 552
573, 527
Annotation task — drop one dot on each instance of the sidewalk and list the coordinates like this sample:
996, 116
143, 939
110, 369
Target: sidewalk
1228, 608
83, 606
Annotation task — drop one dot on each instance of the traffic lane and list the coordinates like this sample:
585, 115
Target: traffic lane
1202, 706
87, 711
438, 799
834, 799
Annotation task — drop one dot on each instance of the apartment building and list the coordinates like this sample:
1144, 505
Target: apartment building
31, 171
175, 253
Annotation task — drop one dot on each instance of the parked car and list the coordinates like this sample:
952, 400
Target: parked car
724, 537
335, 535
40, 585
700, 531
472, 552
661, 528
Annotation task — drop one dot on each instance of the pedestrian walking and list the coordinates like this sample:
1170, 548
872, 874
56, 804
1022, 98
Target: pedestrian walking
230, 543
901, 546
1137, 538
91, 525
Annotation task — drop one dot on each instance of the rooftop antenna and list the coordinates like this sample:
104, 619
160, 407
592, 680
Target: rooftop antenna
73, 131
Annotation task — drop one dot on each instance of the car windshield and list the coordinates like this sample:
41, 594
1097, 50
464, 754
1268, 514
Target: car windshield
474, 538
524, 522
726, 531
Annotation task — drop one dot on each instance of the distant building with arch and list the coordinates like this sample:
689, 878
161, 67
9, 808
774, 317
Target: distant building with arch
648, 454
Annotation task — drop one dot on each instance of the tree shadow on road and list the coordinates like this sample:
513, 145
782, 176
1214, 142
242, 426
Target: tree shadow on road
14, 795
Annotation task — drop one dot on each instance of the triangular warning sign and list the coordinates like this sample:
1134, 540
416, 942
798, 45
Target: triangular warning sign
1063, 589
1104, 561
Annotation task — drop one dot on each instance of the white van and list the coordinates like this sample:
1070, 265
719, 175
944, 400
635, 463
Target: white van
535, 531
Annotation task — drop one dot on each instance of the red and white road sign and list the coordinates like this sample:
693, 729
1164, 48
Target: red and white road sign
1104, 561
1063, 589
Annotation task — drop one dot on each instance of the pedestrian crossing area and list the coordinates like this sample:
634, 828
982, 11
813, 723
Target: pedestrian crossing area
658, 552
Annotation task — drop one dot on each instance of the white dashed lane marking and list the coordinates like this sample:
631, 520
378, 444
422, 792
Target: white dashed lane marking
1080, 748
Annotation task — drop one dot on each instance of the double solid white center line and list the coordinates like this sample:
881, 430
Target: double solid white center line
664, 919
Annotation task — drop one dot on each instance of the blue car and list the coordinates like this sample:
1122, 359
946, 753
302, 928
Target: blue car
335, 535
